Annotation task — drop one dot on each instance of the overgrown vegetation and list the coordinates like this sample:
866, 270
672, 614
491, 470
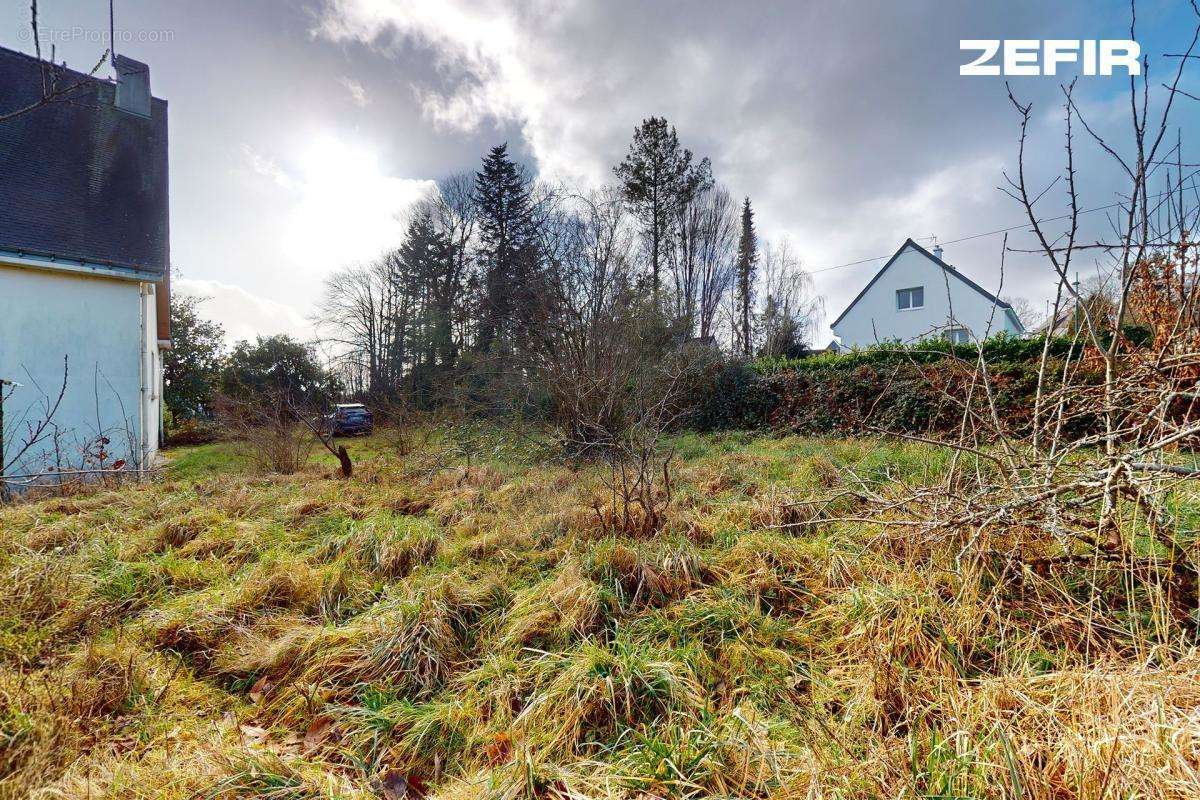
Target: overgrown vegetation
433, 628
503, 278
893, 388
998, 600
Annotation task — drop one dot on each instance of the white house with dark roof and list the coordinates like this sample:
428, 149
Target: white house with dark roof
917, 295
84, 269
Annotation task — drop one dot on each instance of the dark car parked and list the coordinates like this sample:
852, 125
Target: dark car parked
348, 419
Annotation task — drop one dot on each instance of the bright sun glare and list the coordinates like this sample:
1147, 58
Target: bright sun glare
347, 208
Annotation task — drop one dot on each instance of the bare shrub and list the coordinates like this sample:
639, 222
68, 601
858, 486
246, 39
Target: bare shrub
639, 486
632, 445
276, 439
40, 456
611, 363
1087, 485
403, 426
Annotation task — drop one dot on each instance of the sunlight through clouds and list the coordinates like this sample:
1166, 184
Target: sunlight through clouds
342, 208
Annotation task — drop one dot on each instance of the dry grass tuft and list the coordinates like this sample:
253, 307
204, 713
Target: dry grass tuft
555, 612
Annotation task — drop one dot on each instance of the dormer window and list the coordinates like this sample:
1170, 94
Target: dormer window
907, 299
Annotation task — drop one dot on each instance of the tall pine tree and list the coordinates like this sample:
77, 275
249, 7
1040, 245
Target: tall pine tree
424, 269
506, 240
659, 179
747, 261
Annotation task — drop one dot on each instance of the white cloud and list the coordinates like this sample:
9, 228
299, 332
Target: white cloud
267, 168
944, 203
244, 315
498, 63
357, 93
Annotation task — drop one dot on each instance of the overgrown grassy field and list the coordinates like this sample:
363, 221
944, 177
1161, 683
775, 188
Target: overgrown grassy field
432, 629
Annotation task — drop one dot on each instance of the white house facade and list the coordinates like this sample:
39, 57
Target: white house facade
84, 272
917, 295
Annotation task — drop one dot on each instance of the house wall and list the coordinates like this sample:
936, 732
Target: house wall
106, 328
948, 300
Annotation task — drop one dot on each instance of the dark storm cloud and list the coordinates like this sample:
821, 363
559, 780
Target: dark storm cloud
846, 123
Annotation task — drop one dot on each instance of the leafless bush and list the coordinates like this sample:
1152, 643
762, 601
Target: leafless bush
276, 438
610, 362
402, 425
1036, 498
40, 454
632, 444
639, 484
21, 433
597, 343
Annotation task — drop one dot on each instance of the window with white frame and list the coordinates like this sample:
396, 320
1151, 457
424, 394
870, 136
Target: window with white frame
957, 335
910, 298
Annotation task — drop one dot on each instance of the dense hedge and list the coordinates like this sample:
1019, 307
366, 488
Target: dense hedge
887, 388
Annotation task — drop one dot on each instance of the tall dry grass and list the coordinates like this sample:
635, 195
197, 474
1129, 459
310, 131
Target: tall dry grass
480, 633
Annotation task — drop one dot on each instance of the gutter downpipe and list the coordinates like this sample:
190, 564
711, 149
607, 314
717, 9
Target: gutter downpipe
144, 291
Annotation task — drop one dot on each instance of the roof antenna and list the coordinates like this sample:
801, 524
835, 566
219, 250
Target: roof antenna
112, 35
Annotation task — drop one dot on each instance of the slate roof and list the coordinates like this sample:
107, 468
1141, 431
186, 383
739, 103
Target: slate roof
991, 298
80, 179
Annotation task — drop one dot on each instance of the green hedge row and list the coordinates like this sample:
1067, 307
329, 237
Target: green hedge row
909, 390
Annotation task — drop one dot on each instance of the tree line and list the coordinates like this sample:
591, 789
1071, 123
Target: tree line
198, 369
499, 272
506, 290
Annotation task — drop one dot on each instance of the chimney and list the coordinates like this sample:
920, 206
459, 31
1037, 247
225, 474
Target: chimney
937, 252
133, 86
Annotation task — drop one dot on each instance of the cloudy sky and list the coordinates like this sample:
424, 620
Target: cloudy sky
301, 129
